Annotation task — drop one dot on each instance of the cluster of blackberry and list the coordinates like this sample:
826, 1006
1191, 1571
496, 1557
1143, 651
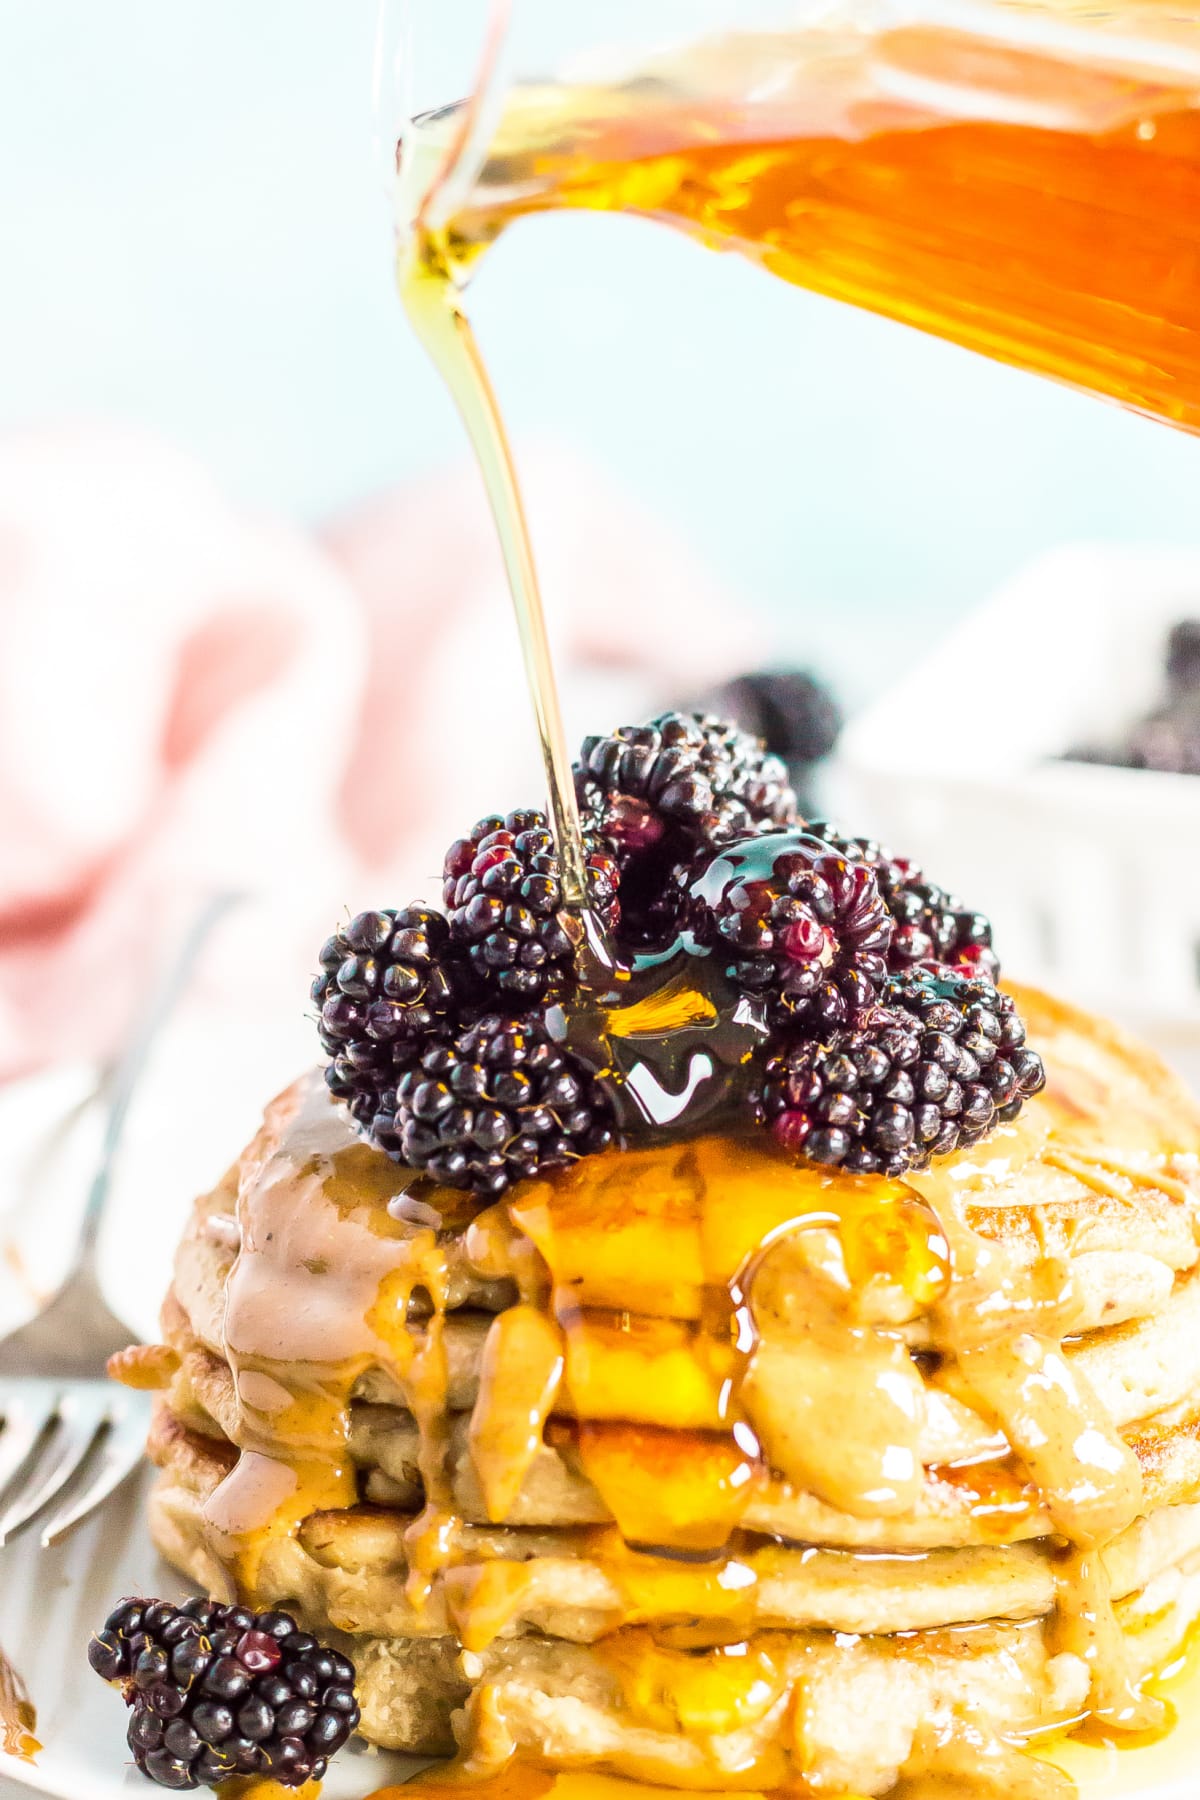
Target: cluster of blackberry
216, 1692
499, 1102
931, 925
888, 1040
504, 900
435, 1024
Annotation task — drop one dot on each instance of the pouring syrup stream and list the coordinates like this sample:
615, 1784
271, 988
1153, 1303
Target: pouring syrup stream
430, 295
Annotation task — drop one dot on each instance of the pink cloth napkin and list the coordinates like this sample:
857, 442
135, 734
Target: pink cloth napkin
195, 699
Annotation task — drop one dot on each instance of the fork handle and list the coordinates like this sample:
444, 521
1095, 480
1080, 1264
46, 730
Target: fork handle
123, 1077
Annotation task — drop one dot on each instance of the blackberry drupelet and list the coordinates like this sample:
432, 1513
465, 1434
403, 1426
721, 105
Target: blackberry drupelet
804, 925
387, 980
504, 898
219, 1691
936, 1063
660, 792
933, 927
498, 1103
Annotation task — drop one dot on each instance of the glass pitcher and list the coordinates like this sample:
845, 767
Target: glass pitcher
1020, 178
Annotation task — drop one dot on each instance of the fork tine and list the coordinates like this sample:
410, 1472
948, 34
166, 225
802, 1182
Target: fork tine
23, 1426
78, 1420
120, 1453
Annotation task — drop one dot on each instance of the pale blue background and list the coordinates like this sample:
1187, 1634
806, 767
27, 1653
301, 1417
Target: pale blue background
195, 236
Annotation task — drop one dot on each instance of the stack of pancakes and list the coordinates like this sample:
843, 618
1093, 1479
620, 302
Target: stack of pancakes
701, 1467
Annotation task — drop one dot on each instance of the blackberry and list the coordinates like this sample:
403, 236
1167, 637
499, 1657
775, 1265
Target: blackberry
934, 1064
660, 792
1183, 659
1168, 741
685, 771
387, 980
502, 892
499, 1102
793, 712
1168, 738
933, 927
806, 926
219, 1691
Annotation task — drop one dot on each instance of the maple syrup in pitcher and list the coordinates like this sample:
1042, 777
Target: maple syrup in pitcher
1024, 181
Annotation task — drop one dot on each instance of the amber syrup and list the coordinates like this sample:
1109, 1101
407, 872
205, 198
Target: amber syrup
1025, 183
430, 292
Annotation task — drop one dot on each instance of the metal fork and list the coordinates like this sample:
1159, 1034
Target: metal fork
68, 1435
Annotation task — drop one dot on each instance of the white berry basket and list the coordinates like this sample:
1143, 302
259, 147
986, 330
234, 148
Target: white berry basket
1091, 875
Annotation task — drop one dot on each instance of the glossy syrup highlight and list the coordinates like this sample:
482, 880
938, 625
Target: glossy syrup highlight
429, 291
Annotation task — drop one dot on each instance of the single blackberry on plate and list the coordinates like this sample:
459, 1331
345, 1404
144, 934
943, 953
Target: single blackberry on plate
499, 1102
387, 980
934, 1064
932, 926
660, 792
219, 1691
803, 925
503, 894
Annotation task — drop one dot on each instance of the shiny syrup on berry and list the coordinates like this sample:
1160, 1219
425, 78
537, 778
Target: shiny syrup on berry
673, 1041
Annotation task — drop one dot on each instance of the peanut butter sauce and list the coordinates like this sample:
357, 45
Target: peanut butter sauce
518, 1385
318, 1294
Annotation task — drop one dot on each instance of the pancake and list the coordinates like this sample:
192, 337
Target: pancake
619, 1695
925, 1451
384, 1443
350, 1566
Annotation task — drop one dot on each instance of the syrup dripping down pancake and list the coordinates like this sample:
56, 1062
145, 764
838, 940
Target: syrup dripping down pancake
336, 1383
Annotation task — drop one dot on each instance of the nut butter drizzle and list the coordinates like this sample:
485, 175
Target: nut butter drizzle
1003, 1327
320, 1292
